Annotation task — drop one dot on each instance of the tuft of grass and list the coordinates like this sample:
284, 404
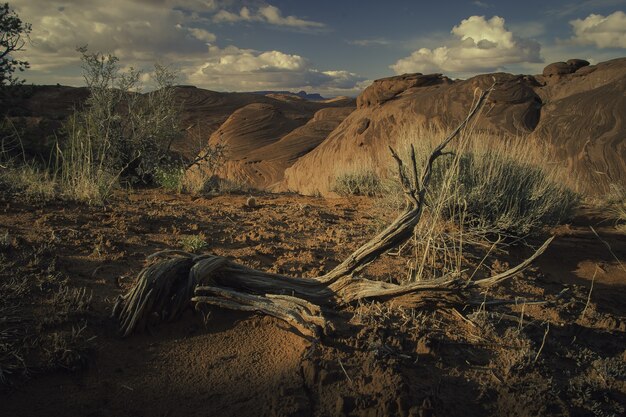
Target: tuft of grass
193, 243
503, 185
358, 182
72, 300
28, 178
5, 240
616, 204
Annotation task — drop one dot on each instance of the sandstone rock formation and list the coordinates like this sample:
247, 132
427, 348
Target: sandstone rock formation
284, 142
579, 109
263, 140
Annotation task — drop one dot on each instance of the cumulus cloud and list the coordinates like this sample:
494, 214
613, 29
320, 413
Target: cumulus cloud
177, 32
132, 30
246, 69
266, 14
202, 35
601, 31
478, 45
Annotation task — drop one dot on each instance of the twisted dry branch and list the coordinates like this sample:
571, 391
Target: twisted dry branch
166, 288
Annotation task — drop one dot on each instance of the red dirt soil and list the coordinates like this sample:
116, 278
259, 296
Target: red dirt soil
378, 361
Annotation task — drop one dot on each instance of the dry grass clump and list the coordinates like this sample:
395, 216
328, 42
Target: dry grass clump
616, 204
500, 184
486, 189
358, 182
28, 178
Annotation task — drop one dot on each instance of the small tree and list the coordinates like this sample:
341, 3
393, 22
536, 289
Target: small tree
12, 33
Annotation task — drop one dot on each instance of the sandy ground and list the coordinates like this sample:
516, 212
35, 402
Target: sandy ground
567, 357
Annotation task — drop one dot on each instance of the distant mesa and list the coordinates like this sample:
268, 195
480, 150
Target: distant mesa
300, 94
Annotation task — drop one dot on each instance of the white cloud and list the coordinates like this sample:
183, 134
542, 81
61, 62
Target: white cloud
233, 68
266, 14
370, 42
202, 35
176, 32
132, 30
601, 31
479, 45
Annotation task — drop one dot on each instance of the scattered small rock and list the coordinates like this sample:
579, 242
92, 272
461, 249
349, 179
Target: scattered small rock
251, 202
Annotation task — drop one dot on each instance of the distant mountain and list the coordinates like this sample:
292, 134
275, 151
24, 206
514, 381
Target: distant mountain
302, 94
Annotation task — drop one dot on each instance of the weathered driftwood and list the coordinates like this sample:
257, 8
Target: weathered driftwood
165, 289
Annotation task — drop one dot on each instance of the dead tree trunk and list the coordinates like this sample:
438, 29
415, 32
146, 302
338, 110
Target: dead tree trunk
165, 289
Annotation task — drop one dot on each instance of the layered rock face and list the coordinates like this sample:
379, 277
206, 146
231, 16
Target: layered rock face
263, 140
578, 108
284, 142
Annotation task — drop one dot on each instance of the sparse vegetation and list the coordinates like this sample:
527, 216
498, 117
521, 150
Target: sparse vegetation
48, 332
170, 178
501, 185
616, 204
118, 134
358, 182
28, 178
485, 189
498, 184
193, 243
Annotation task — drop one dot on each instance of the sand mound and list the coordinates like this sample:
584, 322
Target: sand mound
579, 109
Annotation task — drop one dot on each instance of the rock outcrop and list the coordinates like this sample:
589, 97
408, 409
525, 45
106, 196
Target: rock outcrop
580, 109
262, 142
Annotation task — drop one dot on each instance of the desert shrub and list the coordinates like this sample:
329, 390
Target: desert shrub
503, 185
502, 194
615, 202
119, 134
358, 182
483, 190
28, 178
200, 175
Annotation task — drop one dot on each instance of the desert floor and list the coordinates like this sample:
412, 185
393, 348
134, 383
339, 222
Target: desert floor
63, 264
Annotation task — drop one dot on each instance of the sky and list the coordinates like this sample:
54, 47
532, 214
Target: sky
333, 47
